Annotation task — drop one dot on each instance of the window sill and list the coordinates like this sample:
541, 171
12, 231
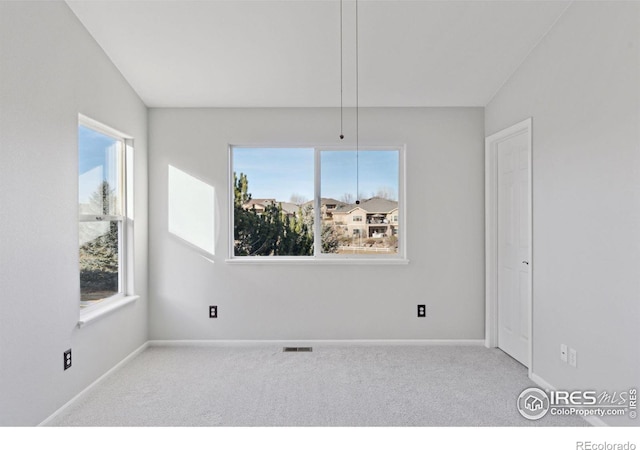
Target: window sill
312, 261
104, 309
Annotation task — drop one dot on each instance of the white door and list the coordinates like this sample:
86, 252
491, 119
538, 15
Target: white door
514, 245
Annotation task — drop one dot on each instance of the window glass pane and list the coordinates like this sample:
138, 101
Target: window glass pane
273, 201
99, 260
370, 227
100, 182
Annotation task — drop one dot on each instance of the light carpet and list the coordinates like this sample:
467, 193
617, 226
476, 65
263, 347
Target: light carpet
356, 385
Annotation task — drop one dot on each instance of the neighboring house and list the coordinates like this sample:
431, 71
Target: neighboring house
327, 207
290, 209
260, 204
372, 218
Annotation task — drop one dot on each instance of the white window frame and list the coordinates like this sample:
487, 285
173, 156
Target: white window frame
125, 230
318, 257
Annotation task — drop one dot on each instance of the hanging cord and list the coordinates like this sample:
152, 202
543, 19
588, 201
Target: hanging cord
341, 77
357, 114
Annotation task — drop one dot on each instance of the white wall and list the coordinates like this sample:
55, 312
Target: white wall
51, 70
581, 85
445, 211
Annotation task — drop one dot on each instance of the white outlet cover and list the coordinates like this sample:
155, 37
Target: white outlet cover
563, 352
573, 357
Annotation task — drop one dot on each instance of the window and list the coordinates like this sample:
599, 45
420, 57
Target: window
102, 213
316, 203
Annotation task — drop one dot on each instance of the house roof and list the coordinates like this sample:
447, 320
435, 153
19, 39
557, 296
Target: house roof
259, 201
326, 201
372, 205
287, 207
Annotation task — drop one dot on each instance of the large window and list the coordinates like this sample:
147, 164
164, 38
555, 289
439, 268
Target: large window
316, 202
103, 216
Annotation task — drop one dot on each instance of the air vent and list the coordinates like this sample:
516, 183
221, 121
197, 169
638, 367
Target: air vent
297, 349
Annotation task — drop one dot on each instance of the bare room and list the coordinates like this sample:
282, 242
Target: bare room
320, 214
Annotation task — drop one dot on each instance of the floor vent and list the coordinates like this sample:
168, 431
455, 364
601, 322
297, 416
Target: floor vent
297, 349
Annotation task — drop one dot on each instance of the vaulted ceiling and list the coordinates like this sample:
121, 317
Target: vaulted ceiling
274, 53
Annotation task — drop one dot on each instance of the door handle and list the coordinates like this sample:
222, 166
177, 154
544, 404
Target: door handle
525, 262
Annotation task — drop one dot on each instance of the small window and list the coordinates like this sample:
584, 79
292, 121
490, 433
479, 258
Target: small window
102, 213
316, 202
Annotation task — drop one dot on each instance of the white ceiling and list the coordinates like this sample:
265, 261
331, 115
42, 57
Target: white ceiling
267, 53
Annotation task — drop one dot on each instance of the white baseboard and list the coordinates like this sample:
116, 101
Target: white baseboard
544, 384
541, 382
311, 342
128, 358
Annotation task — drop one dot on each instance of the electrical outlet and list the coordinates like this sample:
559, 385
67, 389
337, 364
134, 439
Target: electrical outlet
573, 357
213, 312
563, 352
67, 359
422, 311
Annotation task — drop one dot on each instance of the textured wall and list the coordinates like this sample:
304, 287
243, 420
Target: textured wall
51, 70
581, 86
445, 233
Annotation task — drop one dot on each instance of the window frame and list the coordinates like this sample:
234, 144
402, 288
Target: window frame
124, 219
318, 257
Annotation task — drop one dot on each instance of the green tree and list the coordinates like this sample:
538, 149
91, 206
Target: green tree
270, 233
330, 239
245, 221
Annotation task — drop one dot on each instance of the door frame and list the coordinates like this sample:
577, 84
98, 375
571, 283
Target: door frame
491, 232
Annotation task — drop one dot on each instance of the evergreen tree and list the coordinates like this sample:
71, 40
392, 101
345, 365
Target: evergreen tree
330, 239
270, 233
245, 221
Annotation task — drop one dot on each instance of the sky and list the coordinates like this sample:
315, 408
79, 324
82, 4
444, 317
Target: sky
282, 172
95, 151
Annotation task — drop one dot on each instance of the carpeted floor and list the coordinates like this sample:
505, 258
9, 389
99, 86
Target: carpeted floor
332, 386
